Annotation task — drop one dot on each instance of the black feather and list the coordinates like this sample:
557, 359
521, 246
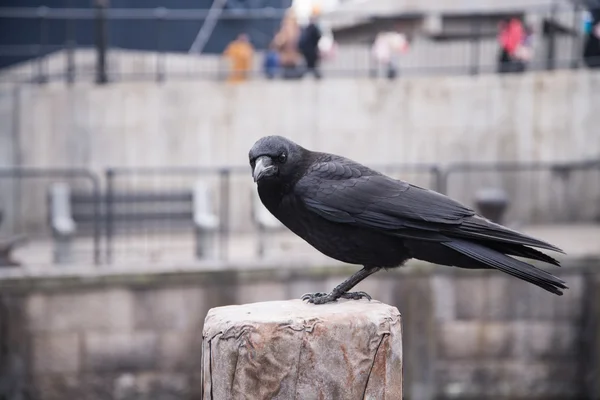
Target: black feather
509, 265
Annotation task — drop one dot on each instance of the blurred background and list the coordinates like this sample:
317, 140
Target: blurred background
127, 208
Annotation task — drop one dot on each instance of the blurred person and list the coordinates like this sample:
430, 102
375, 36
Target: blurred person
524, 52
386, 51
510, 38
591, 49
271, 62
240, 54
587, 22
327, 46
286, 44
309, 44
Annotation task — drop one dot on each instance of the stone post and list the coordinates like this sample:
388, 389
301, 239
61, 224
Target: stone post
293, 350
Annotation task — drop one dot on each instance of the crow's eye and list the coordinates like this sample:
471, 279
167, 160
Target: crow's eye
282, 158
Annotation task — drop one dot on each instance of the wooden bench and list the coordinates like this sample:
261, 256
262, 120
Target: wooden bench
73, 213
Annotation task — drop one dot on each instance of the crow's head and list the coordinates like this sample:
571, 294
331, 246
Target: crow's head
275, 159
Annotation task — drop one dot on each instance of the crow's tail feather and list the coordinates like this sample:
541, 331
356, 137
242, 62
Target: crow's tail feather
493, 258
520, 250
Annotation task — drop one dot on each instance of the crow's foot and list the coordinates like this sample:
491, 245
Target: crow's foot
319, 298
356, 296
323, 298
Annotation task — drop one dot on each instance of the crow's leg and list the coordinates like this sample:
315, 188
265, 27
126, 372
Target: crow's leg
341, 290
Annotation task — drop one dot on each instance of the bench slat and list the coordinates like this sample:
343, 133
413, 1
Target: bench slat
134, 197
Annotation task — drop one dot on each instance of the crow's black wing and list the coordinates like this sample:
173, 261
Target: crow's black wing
350, 193
433, 227
346, 192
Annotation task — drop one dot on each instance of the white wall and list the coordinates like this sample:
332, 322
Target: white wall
543, 116
530, 117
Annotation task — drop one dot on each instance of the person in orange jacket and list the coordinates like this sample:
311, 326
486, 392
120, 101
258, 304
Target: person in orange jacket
240, 54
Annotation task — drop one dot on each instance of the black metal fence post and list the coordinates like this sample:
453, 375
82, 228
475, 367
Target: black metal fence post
70, 51
101, 41
551, 40
70, 75
224, 179
475, 45
97, 221
160, 52
438, 176
41, 65
110, 175
575, 50
442, 179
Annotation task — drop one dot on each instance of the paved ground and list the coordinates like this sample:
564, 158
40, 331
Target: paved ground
164, 251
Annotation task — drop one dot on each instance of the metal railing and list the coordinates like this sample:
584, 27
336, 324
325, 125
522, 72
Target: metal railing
473, 49
232, 191
24, 196
169, 179
540, 192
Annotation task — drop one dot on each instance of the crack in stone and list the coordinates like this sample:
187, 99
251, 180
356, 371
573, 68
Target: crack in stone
374, 359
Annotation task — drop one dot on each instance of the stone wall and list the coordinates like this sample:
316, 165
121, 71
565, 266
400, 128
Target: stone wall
532, 117
528, 117
468, 335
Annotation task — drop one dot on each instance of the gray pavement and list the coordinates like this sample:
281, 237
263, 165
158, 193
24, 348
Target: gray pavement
177, 251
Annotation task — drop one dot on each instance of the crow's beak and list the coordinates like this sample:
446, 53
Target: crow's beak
263, 168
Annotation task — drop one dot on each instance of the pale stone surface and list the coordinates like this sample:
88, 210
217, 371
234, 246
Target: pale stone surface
176, 308
495, 379
294, 350
258, 291
107, 352
178, 350
521, 340
108, 309
56, 353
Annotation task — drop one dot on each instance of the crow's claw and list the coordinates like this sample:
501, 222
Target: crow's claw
308, 296
318, 298
356, 296
322, 298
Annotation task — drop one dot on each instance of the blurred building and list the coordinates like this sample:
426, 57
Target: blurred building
145, 34
360, 20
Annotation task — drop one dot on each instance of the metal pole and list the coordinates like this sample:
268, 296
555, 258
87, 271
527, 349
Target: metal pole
110, 174
224, 178
42, 13
575, 50
70, 62
437, 173
160, 53
551, 43
96, 220
70, 48
208, 26
475, 45
101, 41
443, 174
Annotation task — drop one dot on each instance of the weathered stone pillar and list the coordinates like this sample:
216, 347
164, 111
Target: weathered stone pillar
293, 350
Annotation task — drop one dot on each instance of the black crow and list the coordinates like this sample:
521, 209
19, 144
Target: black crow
359, 216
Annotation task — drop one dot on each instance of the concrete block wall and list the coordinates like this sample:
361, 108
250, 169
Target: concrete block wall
467, 334
126, 341
498, 336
